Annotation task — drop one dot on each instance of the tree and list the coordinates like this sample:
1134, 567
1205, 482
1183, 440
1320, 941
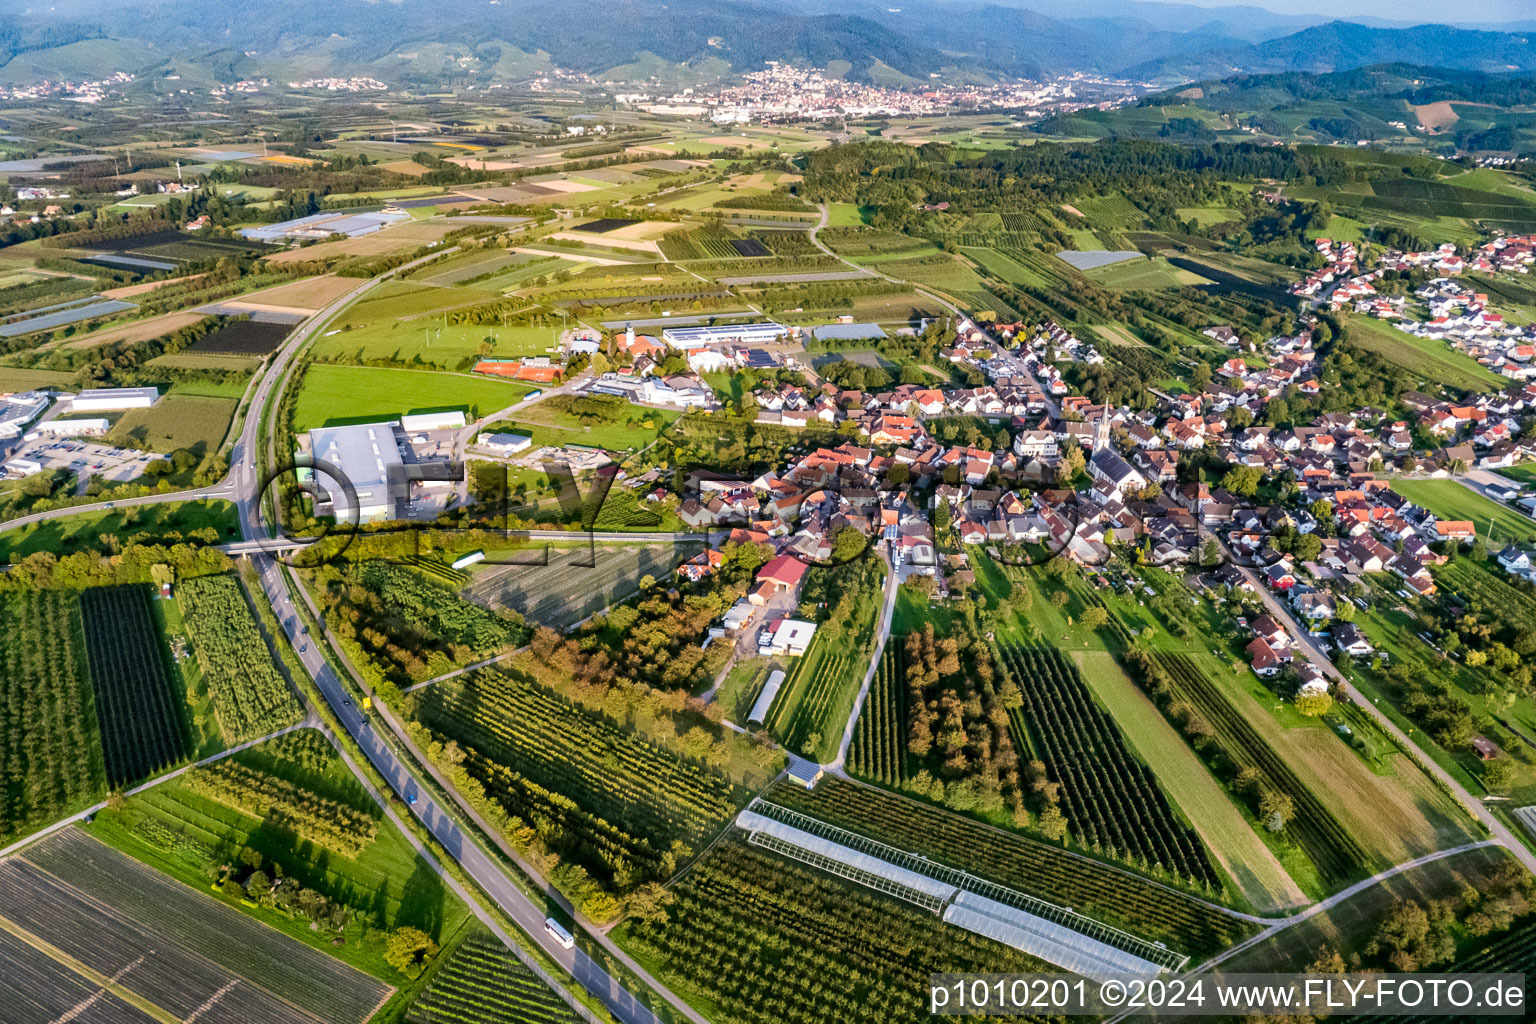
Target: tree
1413, 938
941, 518
847, 545
1051, 823
408, 949
1276, 809
1200, 377
1060, 599
1314, 705
1243, 481
1211, 554
1095, 618
1498, 773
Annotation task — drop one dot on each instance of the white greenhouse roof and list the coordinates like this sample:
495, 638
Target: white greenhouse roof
1051, 942
754, 822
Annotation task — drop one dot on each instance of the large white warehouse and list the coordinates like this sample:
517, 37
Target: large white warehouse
689, 338
115, 399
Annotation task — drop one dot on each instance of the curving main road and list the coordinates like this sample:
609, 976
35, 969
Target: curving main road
476, 862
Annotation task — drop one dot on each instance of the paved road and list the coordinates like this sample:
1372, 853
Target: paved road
309, 722
476, 862
1317, 657
224, 489
283, 545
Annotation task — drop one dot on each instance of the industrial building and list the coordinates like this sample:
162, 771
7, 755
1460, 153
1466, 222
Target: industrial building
849, 332
320, 226
19, 409
82, 427
689, 338
115, 399
412, 423
365, 454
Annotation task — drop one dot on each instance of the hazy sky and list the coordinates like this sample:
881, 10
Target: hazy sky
1418, 11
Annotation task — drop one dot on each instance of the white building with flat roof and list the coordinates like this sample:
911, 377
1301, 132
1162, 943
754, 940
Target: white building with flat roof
505, 444
364, 453
432, 421
115, 399
19, 409
690, 338
789, 637
75, 428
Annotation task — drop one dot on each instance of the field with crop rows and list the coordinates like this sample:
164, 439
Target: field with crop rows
879, 749
171, 945
1328, 844
242, 338
1113, 803
250, 695
804, 714
1514, 952
330, 823
34, 990
576, 582
1488, 587
484, 983
771, 941
1101, 891
48, 747
194, 422
615, 803
142, 731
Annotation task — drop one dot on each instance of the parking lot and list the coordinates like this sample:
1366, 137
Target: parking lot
83, 458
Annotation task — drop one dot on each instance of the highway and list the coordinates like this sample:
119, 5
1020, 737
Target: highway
476, 862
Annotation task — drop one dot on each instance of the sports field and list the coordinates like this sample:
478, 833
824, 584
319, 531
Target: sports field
361, 394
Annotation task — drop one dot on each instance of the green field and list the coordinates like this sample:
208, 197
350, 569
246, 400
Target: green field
14, 378
195, 422
83, 531
360, 394
1144, 275
845, 215
182, 833
404, 320
1496, 524
1433, 361
550, 424
818, 692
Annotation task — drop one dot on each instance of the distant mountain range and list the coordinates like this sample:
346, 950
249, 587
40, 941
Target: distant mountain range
883, 40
